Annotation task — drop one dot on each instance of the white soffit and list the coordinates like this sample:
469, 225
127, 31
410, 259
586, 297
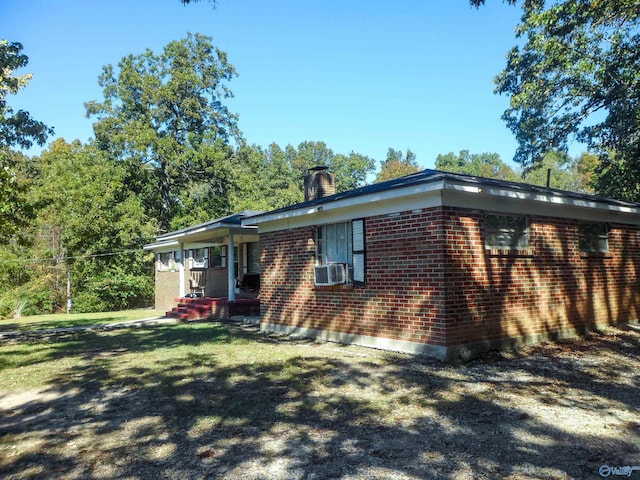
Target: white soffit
161, 246
537, 203
367, 205
448, 192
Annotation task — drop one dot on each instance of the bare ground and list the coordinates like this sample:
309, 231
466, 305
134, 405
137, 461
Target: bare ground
553, 411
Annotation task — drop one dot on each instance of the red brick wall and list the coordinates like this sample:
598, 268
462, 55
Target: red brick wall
430, 280
554, 289
403, 297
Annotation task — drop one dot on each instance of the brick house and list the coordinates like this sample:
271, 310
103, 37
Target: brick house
205, 260
449, 265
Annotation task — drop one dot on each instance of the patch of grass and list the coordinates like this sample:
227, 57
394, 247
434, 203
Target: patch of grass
113, 357
210, 400
63, 320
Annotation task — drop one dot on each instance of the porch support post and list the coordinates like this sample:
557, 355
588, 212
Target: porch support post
181, 281
230, 270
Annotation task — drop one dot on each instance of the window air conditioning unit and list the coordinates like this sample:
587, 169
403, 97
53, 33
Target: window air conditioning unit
332, 274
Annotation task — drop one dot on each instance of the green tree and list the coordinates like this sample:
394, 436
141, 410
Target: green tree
17, 129
266, 179
577, 75
487, 165
164, 115
618, 177
397, 165
93, 225
585, 175
574, 174
562, 174
15, 210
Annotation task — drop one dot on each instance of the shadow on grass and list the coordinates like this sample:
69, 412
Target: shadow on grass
76, 322
31, 324
41, 348
313, 412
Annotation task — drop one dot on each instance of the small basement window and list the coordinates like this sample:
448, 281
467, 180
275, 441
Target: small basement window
506, 232
593, 237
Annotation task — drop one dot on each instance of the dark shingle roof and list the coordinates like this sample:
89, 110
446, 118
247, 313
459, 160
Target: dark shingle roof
234, 219
430, 176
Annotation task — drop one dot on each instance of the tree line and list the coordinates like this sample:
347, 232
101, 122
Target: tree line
167, 153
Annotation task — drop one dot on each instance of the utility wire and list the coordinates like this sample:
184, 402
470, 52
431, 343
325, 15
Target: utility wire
49, 259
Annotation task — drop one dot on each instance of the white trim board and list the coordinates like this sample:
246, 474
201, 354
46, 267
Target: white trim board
449, 194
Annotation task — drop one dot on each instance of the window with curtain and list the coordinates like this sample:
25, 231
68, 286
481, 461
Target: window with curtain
343, 243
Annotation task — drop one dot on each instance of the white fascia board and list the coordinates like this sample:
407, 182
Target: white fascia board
535, 203
194, 245
188, 233
367, 205
549, 198
447, 193
161, 246
185, 235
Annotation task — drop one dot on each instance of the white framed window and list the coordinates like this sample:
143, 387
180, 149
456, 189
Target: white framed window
593, 237
506, 232
199, 258
333, 244
164, 261
219, 256
168, 261
343, 243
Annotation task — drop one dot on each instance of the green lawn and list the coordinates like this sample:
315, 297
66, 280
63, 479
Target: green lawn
39, 322
212, 400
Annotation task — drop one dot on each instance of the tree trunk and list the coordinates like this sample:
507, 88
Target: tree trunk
165, 198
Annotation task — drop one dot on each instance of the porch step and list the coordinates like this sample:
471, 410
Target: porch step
202, 308
199, 308
187, 316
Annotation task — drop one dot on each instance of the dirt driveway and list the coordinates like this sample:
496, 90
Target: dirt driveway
219, 401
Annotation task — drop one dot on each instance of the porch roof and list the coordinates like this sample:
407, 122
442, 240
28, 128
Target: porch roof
218, 227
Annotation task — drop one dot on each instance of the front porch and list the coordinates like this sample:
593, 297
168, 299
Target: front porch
216, 261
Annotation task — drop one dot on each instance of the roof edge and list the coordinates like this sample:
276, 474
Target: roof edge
444, 180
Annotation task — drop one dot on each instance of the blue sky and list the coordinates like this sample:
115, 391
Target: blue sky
360, 75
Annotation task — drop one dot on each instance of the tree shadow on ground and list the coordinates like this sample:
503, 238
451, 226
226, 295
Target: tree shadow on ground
323, 412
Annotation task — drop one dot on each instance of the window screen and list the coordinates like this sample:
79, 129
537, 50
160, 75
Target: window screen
505, 232
593, 237
334, 243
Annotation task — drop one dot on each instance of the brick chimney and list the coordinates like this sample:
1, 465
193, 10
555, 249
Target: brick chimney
318, 183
